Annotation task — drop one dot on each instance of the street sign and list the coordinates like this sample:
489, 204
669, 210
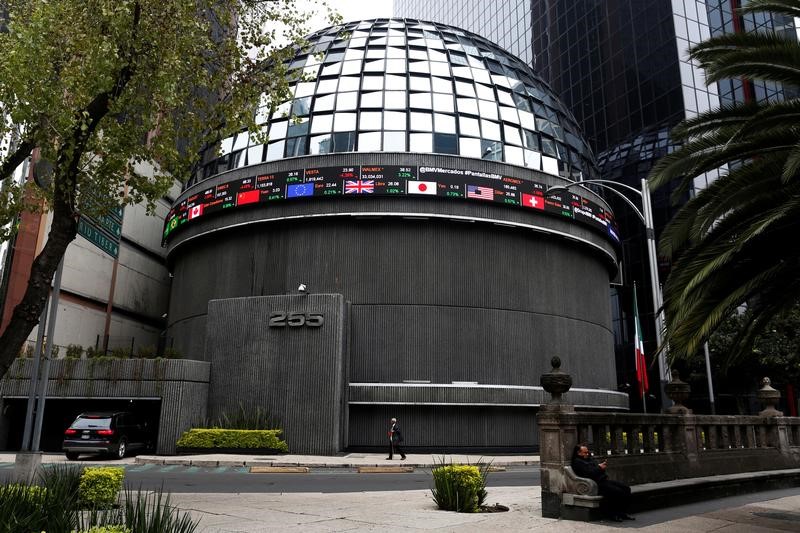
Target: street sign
104, 240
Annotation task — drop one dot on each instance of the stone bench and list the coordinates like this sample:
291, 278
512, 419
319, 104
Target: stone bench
580, 500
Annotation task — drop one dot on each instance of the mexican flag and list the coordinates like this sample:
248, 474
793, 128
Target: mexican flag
638, 344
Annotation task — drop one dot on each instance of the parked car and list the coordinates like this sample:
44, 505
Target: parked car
111, 433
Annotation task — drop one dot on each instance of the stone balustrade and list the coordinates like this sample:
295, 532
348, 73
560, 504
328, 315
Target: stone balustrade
649, 448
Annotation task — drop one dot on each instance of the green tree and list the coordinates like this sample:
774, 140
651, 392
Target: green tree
736, 242
105, 89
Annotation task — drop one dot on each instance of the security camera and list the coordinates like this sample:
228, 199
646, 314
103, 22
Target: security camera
302, 288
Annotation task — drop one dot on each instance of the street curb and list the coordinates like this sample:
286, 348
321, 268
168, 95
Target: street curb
205, 462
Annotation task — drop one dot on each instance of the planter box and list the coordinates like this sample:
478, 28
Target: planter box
234, 451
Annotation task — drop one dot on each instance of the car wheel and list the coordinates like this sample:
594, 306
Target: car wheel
122, 449
72, 456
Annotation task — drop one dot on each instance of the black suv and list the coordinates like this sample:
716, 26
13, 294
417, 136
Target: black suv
112, 433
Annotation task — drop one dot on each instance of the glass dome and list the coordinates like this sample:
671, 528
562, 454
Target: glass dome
402, 85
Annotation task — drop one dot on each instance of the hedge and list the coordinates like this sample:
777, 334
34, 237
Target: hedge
233, 438
100, 486
460, 488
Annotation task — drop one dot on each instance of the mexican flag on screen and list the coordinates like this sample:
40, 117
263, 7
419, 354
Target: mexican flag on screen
638, 344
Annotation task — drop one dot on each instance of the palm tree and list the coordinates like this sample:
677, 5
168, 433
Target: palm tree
737, 243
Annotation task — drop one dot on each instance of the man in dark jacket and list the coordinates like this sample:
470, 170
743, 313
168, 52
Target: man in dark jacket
616, 494
395, 438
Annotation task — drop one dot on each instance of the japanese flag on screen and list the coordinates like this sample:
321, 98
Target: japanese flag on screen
421, 187
195, 211
533, 201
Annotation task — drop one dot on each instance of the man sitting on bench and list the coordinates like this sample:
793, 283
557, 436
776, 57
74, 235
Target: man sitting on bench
616, 494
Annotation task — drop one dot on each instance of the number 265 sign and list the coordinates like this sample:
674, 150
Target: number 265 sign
295, 320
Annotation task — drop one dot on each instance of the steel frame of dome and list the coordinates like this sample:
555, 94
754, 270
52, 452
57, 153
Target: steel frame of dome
440, 306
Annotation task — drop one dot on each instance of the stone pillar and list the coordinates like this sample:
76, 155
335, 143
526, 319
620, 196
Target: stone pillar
777, 434
557, 436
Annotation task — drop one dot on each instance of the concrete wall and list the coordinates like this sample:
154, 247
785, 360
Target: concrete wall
295, 374
182, 386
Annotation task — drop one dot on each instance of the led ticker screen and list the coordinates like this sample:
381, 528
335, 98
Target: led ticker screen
386, 180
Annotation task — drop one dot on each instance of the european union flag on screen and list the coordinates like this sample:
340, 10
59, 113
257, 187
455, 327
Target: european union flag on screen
300, 189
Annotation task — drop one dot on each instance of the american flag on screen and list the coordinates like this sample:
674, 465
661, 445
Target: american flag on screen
359, 186
484, 193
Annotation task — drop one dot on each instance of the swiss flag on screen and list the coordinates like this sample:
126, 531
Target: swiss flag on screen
247, 197
195, 211
533, 201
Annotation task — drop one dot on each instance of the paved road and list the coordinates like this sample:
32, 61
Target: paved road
175, 478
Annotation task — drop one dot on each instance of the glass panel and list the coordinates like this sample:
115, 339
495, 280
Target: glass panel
512, 135
262, 115
394, 120
413, 53
321, 123
225, 146
509, 114
491, 150
359, 42
395, 82
533, 159
440, 69
422, 121
324, 103
369, 142
467, 105
326, 86
296, 146
377, 40
348, 83
346, 101
370, 120
344, 142
481, 75
443, 102
491, 130
527, 119
469, 126
334, 57
462, 72
421, 142
397, 41
421, 100
418, 83
310, 73
275, 151
514, 155
465, 89
521, 102
484, 92
304, 89
420, 66
394, 141
531, 139
441, 85
321, 144
344, 122
470, 147
550, 165
505, 98
255, 154
298, 128
376, 53
351, 67
396, 66
488, 109
444, 143
395, 100
301, 106
444, 123
277, 130
374, 99
396, 53
372, 83
375, 65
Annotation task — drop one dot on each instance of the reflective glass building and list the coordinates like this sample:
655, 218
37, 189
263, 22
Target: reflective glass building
395, 250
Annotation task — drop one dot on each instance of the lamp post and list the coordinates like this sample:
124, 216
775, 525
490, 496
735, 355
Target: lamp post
646, 216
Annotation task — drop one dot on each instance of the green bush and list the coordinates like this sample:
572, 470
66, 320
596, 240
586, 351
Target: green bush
100, 486
460, 488
171, 353
233, 438
74, 351
120, 353
244, 418
146, 352
49, 506
107, 529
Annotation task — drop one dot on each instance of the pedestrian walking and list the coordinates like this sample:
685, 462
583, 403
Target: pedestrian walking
395, 438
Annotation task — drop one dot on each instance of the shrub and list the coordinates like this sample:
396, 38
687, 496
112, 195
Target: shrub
233, 438
171, 353
460, 488
146, 352
245, 418
120, 353
150, 512
107, 529
74, 351
50, 506
99, 486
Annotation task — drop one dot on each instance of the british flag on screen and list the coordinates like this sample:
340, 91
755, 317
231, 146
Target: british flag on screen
359, 186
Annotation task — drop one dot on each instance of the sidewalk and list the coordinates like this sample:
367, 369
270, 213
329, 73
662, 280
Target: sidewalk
414, 510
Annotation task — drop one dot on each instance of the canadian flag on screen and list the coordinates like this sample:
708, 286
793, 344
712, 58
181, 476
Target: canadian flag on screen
195, 211
421, 187
533, 201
